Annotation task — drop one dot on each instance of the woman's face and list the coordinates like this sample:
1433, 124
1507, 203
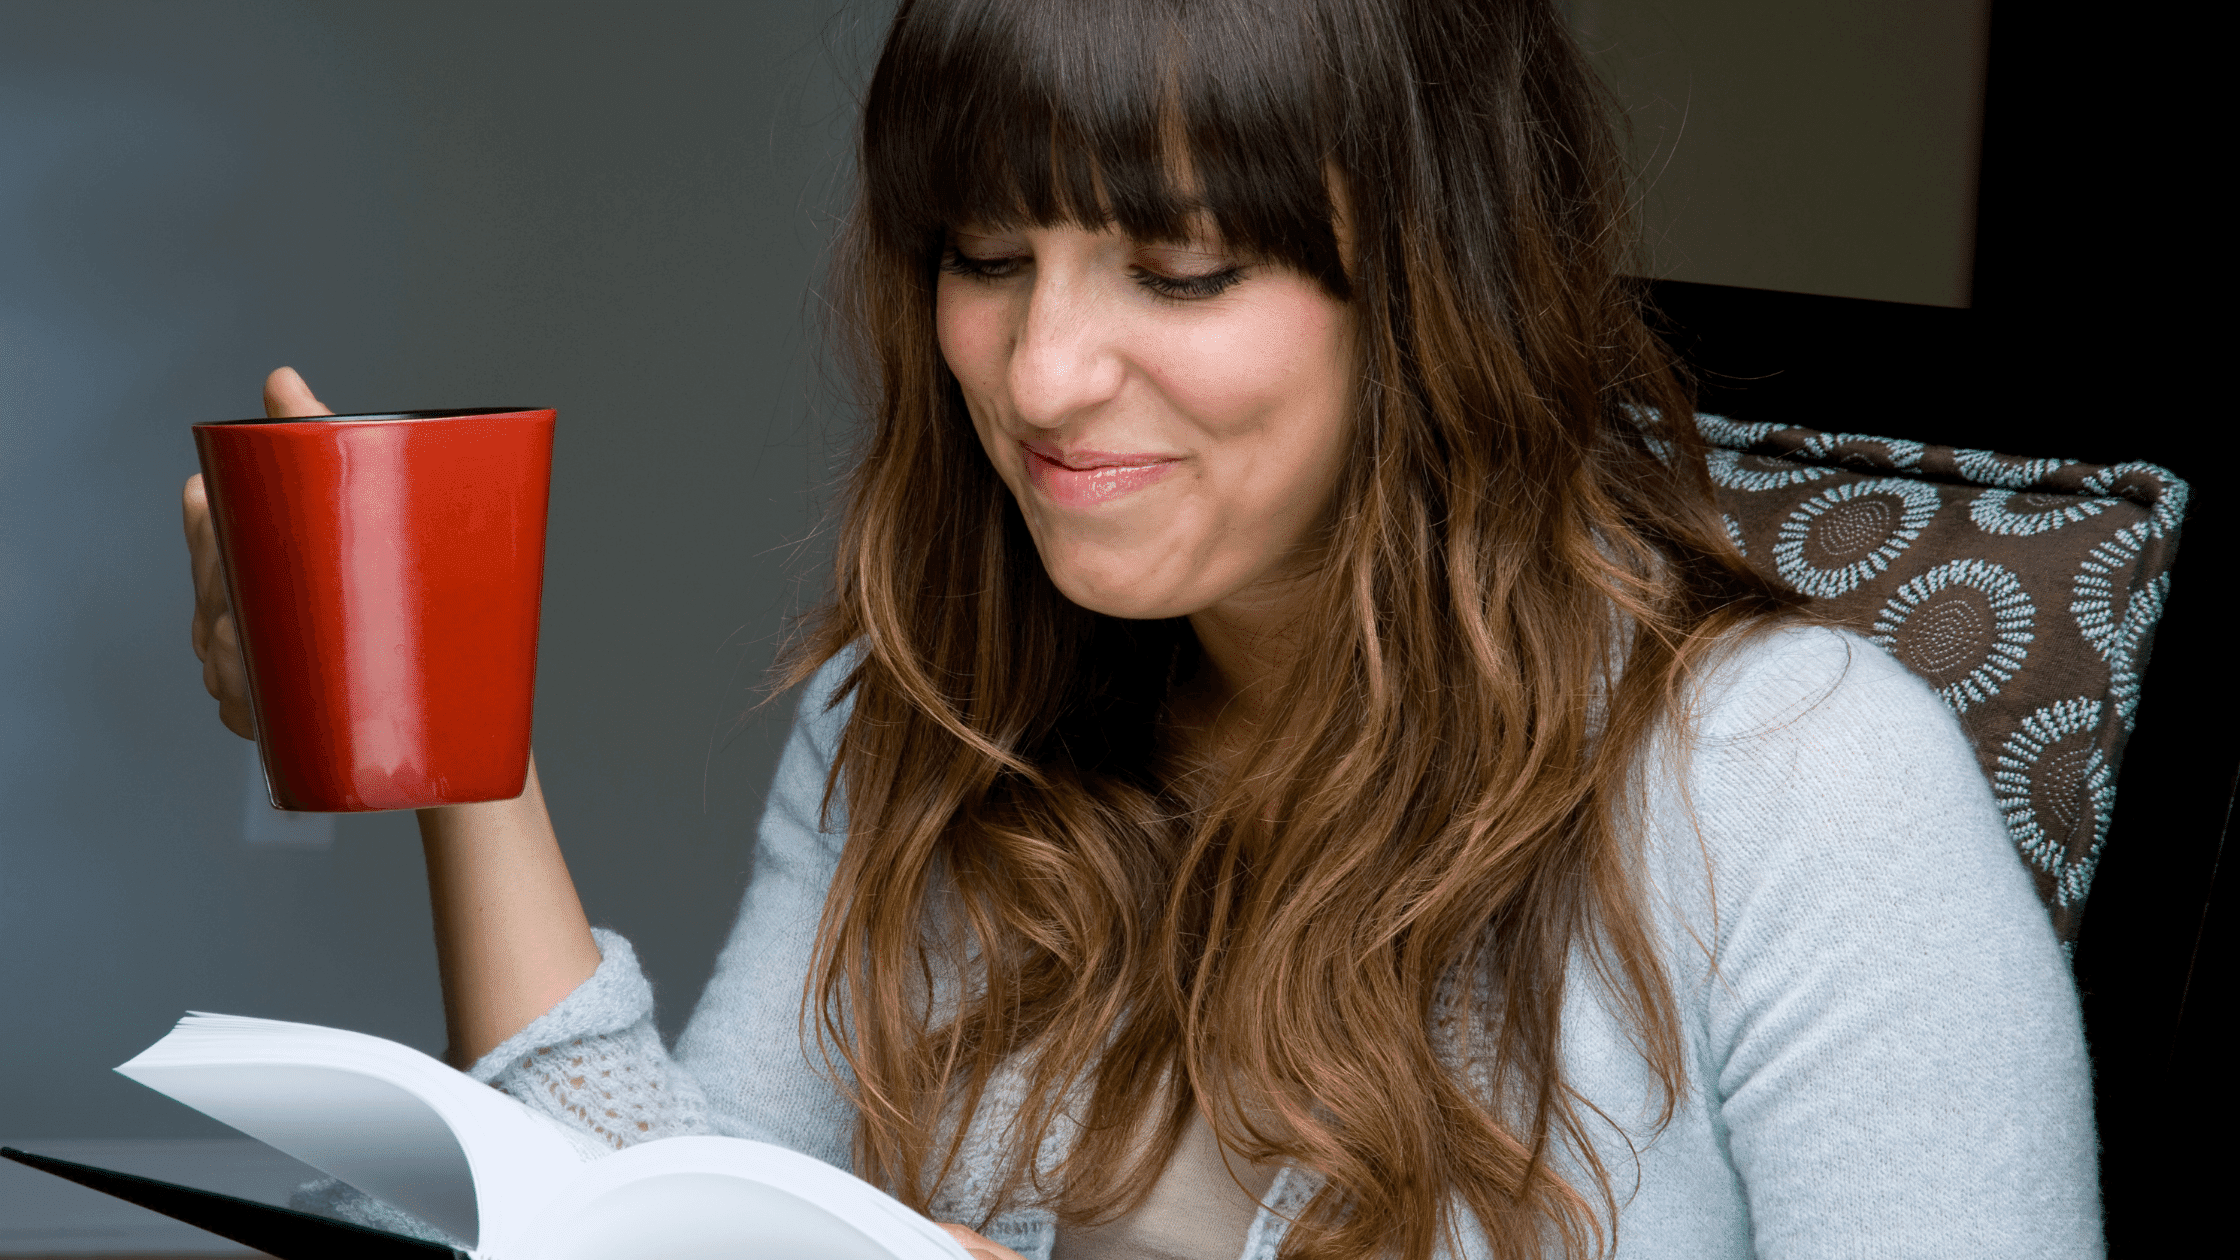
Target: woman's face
1171, 417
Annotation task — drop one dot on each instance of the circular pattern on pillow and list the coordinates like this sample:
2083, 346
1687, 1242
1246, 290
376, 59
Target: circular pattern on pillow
1965, 626
1969, 599
2022, 512
2114, 617
1721, 431
2168, 494
2054, 785
1739, 470
1989, 468
1841, 537
1863, 451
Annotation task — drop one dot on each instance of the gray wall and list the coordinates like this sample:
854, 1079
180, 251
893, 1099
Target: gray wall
615, 210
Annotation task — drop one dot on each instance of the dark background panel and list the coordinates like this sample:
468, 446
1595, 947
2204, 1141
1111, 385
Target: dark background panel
1826, 147
2087, 337
2154, 956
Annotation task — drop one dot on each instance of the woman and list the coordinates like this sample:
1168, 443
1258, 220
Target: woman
1291, 764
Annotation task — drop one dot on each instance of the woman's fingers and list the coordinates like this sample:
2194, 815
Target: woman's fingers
978, 1247
286, 395
202, 558
216, 638
225, 675
215, 633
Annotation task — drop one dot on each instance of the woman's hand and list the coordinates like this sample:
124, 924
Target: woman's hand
511, 937
980, 1248
217, 636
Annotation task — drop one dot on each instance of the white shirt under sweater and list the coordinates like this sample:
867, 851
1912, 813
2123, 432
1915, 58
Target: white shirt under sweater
1888, 1063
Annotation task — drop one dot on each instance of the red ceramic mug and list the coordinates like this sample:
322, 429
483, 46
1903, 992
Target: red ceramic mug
386, 574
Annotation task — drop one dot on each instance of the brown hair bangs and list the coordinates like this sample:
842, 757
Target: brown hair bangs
1150, 116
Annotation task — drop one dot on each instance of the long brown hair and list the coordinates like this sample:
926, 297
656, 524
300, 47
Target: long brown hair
1290, 945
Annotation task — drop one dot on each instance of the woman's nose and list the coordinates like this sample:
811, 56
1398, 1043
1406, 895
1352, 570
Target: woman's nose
1066, 359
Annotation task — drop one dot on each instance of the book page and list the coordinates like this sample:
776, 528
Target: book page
717, 1198
382, 1117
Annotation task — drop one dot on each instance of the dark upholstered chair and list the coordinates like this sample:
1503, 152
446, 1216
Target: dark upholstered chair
2025, 591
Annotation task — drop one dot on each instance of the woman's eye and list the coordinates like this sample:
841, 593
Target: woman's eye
971, 268
1188, 288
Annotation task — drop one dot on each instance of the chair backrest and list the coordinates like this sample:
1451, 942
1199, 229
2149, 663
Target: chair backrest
2025, 591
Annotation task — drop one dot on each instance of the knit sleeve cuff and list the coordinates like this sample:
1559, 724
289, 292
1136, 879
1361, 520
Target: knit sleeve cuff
616, 997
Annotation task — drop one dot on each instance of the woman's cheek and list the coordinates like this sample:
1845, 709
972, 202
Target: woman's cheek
970, 337
969, 327
1267, 365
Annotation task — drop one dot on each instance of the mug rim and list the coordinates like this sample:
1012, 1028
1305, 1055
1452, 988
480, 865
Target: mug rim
447, 413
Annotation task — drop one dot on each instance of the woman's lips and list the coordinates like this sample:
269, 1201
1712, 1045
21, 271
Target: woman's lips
1087, 478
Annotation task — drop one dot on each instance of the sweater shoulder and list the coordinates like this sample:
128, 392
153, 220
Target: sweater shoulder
1818, 770
1822, 712
826, 701
1809, 680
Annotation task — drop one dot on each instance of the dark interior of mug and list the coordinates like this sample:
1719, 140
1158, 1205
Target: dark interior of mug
450, 414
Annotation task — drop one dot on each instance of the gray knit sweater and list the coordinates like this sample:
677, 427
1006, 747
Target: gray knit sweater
1887, 1062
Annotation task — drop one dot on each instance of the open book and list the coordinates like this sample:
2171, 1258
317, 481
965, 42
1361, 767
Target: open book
504, 1182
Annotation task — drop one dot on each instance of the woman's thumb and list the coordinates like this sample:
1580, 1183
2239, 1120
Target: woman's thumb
286, 395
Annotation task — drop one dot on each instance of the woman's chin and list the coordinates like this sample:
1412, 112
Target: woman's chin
1118, 597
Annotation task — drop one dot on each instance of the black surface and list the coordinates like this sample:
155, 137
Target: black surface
277, 1231
2154, 957
2096, 332
2089, 339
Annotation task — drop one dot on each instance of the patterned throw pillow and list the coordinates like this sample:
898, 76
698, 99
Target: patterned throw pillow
2025, 590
